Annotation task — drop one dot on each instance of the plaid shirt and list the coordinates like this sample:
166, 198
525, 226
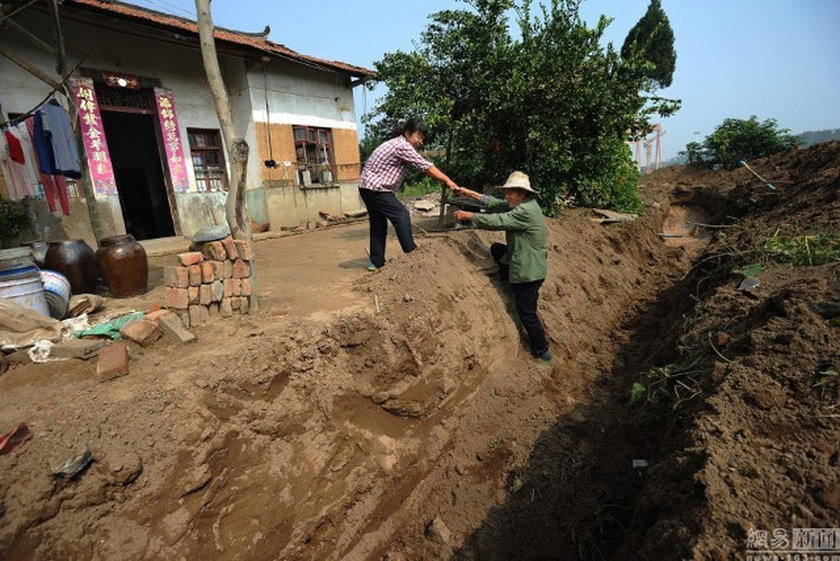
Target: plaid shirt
387, 166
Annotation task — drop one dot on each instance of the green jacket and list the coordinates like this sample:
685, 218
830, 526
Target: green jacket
524, 228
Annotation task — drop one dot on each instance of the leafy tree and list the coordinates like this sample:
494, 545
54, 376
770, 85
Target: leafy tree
552, 102
653, 37
740, 139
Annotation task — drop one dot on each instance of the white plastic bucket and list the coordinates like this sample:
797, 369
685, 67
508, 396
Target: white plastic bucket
25, 289
57, 292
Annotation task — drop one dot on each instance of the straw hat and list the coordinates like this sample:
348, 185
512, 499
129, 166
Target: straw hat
518, 180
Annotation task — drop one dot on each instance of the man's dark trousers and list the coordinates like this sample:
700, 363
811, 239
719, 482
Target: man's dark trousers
525, 294
383, 206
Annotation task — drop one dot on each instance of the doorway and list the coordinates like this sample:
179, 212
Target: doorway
135, 157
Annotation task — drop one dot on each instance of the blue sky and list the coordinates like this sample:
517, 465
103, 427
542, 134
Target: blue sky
735, 58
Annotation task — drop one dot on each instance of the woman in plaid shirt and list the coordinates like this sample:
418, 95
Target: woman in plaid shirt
383, 173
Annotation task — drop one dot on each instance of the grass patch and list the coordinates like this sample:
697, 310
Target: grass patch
804, 250
420, 188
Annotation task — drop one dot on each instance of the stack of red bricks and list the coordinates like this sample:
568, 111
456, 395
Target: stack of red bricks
211, 281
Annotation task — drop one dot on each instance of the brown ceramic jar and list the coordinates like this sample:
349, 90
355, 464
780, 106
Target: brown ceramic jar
123, 264
75, 260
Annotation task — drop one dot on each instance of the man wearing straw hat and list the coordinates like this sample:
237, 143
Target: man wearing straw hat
522, 260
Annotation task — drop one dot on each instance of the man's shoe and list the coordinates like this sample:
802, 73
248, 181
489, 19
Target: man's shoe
545, 356
372, 267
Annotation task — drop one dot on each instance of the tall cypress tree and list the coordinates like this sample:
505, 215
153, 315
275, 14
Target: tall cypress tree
653, 36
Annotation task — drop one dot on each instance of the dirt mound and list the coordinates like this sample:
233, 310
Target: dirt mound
412, 422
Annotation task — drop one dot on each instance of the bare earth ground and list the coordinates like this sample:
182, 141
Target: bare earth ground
398, 415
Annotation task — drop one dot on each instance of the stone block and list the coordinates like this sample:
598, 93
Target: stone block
235, 303
213, 251
190, 258
208, 272
243, 249
176, 277
198, 315
213, 308
141, 331
230, 248
174, 329
217, 289
194, 272
205, 294
228, 284
228, 269
246, 287
193, 294
218, 270
177, 298
241, 269
237, 286
225, 308
244, 305
112, 362
184, 315
77, 348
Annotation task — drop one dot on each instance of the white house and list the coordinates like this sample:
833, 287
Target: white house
154, 162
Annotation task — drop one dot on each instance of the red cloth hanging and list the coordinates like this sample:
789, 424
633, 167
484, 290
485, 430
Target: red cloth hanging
15, 149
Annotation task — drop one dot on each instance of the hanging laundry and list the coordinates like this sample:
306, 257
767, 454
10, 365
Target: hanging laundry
54, 186
11, 158
58, 132
33, 178
42, 146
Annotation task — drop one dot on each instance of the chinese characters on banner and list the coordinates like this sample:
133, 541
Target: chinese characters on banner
93, 134
172, 140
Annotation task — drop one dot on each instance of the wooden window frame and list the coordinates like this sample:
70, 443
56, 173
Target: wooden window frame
204, 184
312, 137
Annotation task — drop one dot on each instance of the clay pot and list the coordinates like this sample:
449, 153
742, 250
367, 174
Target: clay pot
38, 248
75, 260
123, 264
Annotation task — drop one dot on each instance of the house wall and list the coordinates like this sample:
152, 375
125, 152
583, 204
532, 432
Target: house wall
298, 95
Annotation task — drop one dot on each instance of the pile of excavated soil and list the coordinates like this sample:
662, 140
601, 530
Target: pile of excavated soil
410, 422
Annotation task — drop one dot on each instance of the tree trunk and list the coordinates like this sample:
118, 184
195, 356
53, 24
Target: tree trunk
443, 191
237, 148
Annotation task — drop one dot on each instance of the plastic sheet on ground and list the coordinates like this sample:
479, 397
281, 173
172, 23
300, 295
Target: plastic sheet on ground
110, 328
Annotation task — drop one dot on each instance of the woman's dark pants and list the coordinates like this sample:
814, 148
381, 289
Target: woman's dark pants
525, 295
383, 206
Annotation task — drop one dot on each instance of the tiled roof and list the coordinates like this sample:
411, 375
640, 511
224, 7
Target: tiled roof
256, 41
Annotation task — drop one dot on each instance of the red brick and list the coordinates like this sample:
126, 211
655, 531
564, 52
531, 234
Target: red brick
226, 308
246, 287
177, 298
174, 329
198, 315
207, 271
194, 272
141, 331
112, 362
228, 269
184, 315
176, 277
213, 250
205, 294
155, 316
213, 308
244, 305
228, 284
193, 294
230, 248
156, 307
219, 270
190, 258
235, 302
243, 248
237, 286
241, 269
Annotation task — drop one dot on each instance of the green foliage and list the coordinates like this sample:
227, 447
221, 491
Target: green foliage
750, 270
638, 392
653, 37
423, 186
14, 220
553, 102
803, 250
739, 139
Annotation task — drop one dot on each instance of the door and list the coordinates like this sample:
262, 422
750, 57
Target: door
135, 157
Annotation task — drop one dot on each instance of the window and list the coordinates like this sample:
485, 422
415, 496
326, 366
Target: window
208, 159
314, 153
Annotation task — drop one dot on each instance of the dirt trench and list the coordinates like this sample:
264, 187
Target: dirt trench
413, 424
